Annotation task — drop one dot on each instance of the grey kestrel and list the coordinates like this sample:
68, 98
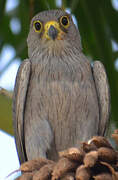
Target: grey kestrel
59, 98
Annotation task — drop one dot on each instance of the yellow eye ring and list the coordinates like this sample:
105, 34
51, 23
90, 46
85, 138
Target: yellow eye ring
37, 26
64, 20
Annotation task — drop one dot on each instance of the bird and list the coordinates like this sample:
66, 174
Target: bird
60, 99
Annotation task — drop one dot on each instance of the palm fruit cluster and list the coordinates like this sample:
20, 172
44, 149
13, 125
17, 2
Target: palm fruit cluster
94, 160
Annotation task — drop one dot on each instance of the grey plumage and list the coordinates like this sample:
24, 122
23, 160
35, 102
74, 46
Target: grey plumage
59, 99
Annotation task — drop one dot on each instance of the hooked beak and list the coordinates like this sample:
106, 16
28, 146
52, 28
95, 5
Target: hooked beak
52, 32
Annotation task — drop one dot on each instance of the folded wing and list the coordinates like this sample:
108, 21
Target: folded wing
19, 98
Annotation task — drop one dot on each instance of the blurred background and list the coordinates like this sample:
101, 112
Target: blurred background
98, 25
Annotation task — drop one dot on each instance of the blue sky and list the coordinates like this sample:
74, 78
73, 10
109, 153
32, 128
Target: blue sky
8, 155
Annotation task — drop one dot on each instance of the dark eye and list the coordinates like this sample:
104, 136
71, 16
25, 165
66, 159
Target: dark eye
37, 26
64, 21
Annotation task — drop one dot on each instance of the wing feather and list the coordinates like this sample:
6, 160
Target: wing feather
103, 93
19, 97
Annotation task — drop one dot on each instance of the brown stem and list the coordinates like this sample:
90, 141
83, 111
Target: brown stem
6, 93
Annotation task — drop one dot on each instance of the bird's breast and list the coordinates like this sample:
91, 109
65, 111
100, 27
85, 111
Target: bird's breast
67, 99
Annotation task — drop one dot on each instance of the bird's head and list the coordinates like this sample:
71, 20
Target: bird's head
54, 31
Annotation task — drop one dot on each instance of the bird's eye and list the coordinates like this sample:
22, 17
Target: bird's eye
64, 20
37, 26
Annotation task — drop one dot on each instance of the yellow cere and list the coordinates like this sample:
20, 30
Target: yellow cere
56, 25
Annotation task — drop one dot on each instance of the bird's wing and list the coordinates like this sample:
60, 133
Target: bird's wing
19, 97
102, 87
